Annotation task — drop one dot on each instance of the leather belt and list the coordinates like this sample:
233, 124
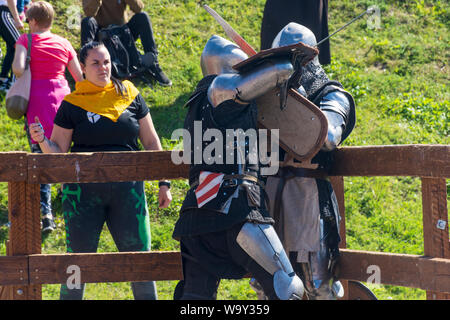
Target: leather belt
290, 172
231, 180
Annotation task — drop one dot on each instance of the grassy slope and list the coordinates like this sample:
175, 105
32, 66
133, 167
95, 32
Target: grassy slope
397, 73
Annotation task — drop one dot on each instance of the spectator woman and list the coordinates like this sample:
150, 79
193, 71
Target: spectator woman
50, 55
10, 24
104, 114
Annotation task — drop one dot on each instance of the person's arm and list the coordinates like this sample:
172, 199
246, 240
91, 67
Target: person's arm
75, 69
20, 57
148, 135
59, 141
135, 5
13, 9
336, 107
150, 141
91, 7
74, 64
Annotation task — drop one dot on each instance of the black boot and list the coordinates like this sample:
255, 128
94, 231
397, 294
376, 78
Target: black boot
159, 75
48, 224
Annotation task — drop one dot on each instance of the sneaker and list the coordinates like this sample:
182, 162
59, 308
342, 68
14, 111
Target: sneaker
5, 85
48, 224
159, 75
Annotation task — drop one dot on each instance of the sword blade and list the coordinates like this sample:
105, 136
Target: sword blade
368, 11
236, 37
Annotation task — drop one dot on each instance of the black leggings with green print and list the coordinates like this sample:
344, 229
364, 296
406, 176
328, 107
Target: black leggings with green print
123, 206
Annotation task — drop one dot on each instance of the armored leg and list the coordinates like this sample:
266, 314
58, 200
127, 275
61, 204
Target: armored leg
262, 244
318, 273
202, 263
198, 283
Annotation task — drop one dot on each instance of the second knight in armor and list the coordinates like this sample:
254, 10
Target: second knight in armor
303, 202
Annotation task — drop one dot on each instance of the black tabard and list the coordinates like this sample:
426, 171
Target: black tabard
249, 201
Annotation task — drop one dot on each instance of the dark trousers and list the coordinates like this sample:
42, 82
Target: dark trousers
123, 206
140, 26
210, 257
45, 189
10, 35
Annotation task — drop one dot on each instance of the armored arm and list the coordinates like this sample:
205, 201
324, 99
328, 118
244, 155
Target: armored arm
218, 58
336, 107
243, 88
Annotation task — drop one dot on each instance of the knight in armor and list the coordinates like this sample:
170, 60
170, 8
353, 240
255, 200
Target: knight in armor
225, 229
301, 197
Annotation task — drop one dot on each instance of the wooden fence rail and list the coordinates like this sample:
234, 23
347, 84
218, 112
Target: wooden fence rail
25, 269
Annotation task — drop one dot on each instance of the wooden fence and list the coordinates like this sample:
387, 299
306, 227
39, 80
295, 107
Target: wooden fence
24, 269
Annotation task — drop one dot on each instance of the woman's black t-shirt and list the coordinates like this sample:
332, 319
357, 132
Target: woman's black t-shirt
93, 132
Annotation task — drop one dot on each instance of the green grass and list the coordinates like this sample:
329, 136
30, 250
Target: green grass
397, 73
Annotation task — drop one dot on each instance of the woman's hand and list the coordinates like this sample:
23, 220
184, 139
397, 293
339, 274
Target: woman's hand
37, 132
59, 142
19, 24
164, 196
15, 14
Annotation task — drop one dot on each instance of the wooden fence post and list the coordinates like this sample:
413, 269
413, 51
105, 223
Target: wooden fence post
24, 234
435, 224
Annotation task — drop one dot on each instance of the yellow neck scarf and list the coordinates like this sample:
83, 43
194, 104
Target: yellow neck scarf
104, 101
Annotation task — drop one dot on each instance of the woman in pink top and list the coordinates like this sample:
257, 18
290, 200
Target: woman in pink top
50, 55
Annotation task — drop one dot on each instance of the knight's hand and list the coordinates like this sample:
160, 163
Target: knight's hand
333, 138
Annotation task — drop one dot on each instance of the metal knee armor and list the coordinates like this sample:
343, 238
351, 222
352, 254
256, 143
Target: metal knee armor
261, 243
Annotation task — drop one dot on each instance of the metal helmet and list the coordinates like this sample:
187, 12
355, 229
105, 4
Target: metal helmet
220, 55
294, 33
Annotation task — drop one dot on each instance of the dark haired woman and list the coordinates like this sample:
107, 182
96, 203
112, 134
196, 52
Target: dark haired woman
104, 114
